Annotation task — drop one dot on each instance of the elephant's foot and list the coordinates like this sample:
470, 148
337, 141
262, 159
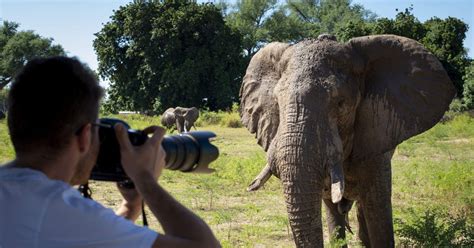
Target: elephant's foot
261, 179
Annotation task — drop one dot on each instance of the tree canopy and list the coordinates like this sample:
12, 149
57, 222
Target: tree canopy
18, 47
159, 54
164, 54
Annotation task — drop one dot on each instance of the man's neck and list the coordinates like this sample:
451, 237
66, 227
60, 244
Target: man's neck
60, 167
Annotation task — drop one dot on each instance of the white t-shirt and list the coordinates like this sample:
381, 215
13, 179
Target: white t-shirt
36, 211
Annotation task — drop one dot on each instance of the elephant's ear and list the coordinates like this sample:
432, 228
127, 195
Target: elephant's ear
259, 107
406, 91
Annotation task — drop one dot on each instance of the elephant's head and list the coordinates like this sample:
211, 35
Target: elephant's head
318, 103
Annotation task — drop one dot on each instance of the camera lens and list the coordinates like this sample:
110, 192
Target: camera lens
189, 151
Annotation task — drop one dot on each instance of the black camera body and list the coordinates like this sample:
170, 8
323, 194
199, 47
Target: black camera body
186, 152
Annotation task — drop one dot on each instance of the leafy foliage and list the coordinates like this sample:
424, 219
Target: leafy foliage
249, 17
264, 21
166, 54
468, 92
338, 17
435, 229
18, 47
3, 100
444, 38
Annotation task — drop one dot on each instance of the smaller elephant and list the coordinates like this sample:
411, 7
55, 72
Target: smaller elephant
182, 118
2, 115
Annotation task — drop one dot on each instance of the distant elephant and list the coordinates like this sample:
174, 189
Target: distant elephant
182, 118
2, 115
329, 115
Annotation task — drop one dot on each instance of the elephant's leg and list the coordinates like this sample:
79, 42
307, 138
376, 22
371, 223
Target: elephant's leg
186, 126
375, 201
362, 233
336, 221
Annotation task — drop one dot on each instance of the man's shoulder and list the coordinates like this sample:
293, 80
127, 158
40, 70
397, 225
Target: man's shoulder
25, 181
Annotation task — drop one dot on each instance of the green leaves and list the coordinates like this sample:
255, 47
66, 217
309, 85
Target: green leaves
18, 47
468, 91
174, 52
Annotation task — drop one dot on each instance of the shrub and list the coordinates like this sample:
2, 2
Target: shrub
3, 100
208, 118
456, 105
231, 120
435, 229
468, 92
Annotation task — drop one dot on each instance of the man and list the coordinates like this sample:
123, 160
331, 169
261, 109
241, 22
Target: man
52, 111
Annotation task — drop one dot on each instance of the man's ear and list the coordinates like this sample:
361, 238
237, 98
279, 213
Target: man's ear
83, 138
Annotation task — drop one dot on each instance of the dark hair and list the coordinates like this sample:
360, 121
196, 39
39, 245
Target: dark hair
49, 101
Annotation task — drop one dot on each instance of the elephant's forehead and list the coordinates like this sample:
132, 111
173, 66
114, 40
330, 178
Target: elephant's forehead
327, 53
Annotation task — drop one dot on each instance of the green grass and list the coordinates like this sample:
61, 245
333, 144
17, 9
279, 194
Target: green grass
433, 170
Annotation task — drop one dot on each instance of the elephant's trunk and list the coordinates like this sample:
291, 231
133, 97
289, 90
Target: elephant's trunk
306, 152
302, 184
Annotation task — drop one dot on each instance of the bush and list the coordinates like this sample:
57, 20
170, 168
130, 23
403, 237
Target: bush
435, 229
231, 120
209, 118
221, 118
456, 105
468, 91
3, 100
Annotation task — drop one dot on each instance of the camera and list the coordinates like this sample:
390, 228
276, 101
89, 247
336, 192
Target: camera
186, 152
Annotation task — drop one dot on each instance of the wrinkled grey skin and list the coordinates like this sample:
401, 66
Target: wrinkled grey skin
182, 118
329, 115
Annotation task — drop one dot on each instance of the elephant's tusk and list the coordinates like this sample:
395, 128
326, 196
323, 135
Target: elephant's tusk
337, 182
261, 179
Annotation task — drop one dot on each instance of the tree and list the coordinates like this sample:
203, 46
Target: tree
249, 18
18, 47
405, 24
468, 92
444, 38
160, 54
338, 17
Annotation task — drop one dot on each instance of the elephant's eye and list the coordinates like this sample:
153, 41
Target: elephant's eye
341, 103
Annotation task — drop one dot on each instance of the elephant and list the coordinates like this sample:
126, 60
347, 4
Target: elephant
329, 116
183, 118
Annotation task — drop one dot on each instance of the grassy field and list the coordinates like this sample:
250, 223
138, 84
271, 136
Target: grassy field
431, 172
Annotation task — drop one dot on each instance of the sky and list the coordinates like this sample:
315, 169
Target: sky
73, 23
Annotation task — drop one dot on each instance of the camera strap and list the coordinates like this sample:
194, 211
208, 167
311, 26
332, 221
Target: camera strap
145, 221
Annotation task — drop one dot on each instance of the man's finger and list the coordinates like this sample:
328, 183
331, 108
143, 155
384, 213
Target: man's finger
157, 136
122, 137
150, 129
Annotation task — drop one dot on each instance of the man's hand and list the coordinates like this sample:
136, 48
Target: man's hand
143, 164
139, 162
131, 206
145, 160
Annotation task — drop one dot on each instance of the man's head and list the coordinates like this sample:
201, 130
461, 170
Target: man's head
49, 103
